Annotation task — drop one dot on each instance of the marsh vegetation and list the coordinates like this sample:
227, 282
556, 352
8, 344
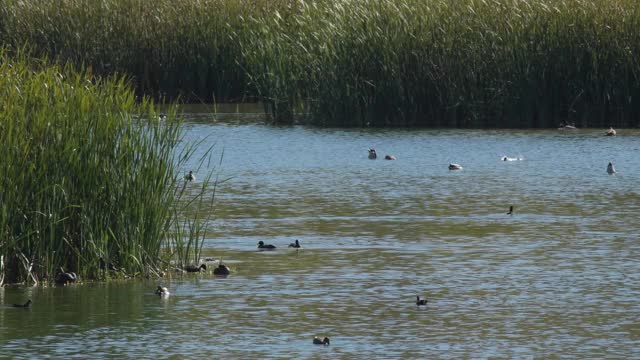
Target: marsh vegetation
91, 178
471, 63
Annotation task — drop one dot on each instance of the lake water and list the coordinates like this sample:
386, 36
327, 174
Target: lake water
560, 278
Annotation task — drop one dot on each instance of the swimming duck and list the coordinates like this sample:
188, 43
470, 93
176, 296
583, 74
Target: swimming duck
64, 278
610, 169
295, 244
25, 305
389, 157
372, 154
193, 268
318, 341
510, 210
222, 270
421, 301
162, 291
190, 176
262, 245
455, 167
610, 132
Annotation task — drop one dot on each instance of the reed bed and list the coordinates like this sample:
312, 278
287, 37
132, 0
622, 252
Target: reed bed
90, 177
467, 63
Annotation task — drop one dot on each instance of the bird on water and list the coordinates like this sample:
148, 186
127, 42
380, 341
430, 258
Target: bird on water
262, 245
25, 305
318, 341
193, 268
420, 302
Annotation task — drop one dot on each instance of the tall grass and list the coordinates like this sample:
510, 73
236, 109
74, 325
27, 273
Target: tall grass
88, 173
467, 63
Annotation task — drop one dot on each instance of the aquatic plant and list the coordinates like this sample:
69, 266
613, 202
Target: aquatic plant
468, 63
90, 177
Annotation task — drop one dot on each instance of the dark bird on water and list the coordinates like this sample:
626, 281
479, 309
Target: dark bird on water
64, 278
372, 154
262, 245
25, 305
190, 176
421, 301
222, 270
295, 244
510, 210
318, 341
193, 268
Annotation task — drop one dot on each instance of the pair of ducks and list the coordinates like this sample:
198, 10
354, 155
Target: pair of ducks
220, 270
373, 155
262, 245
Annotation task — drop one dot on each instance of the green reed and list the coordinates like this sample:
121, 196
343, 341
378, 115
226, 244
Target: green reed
467, 63
88, 172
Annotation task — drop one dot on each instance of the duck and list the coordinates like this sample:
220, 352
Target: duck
64, 278
510, 212
262, 245
295, 244
190, 176
372, 154
455, 167
222, 270
193, 268
421, 301
610, 169
389, 157
565, 126
318, 341
162, 291
25, 305
610, 132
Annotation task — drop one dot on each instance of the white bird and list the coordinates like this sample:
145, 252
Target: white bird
610, 169
455, 167
610, 132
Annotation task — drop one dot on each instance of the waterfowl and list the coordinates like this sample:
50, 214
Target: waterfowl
190, 176
610, 132
162, 291
372, 154
25, 305
295, 244
510, 210
610, 169
193, 268
262, 245
455, 167
389, 157
565, 126
318, 341
421, 301
222, 270
64, 278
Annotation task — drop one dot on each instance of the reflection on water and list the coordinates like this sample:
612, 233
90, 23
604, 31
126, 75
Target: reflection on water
559, 278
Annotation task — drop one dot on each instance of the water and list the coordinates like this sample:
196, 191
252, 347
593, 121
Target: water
558, 279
